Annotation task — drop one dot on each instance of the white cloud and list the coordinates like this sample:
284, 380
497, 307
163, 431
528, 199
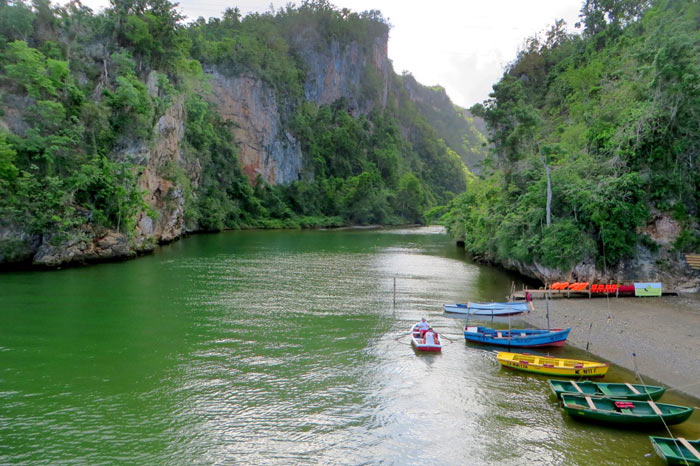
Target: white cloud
461, 45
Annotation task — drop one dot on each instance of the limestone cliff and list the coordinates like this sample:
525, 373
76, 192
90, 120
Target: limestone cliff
265, 147
336, 71
333, 71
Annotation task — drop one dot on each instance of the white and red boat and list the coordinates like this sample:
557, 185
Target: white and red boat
425, 340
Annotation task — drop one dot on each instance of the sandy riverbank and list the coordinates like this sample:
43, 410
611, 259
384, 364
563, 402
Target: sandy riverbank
663, 332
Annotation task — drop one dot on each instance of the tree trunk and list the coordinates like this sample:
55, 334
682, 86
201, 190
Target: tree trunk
549, 186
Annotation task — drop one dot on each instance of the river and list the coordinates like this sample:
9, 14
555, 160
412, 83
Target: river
277, 347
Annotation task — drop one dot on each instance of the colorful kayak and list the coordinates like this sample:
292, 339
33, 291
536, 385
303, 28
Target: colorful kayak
553, 366
516, 338
624, 412
425, 340
677, 451
487, 309
619, 391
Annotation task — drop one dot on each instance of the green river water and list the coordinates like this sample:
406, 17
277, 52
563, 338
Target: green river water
278, 347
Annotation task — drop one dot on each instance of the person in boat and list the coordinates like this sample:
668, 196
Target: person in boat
431, 337
423, 326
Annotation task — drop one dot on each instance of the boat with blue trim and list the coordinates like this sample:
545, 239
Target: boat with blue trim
517, 338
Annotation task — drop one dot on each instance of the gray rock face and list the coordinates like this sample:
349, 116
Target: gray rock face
660, 266
337, 71
16, 245
162, 194
264, 147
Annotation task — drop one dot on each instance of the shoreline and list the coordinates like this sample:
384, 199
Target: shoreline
87, 261
663, 332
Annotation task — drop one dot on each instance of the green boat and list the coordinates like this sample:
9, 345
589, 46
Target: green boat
677, 451
619, 391
624, 412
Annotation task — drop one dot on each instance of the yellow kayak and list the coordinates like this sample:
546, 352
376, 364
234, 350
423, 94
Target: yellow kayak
553, 366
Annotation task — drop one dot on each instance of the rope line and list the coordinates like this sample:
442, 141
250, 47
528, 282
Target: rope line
639, 377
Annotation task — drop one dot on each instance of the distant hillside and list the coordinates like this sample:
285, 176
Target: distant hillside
463, 132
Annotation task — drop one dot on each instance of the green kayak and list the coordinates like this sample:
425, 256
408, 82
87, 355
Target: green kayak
678, 450
619, 391
624, 412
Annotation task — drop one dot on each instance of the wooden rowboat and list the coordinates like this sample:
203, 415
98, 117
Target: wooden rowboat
677, 451
552, 366
624, 412
619, 391
421, 341
517, 338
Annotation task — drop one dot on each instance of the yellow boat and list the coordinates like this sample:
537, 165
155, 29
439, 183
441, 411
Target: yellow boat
553, 366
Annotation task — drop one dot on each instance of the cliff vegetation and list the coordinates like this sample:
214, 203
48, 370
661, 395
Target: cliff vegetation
594, 170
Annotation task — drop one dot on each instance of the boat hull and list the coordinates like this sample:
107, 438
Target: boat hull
426, 348
672, 450
420, 344
524, 338
640, 415
552, 366
619, 391
463, 309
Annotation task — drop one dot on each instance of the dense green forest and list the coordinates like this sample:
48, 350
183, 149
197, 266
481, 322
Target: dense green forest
76, 100
610, 120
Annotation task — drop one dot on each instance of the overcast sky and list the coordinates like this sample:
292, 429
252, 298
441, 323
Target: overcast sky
461, 45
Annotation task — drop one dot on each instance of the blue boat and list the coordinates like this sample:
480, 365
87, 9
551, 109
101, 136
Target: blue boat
487, 309
517, 338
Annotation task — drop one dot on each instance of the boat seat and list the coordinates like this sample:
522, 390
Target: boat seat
655, 408
590, 403
578, 389
634, 390
689, 447
605, 390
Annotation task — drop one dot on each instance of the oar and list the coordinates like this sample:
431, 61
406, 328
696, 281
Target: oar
403, 335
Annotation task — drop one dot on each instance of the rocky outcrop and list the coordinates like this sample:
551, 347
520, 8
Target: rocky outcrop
85, 245
157, 180
16, 245
662, 264
265, 147
159, 160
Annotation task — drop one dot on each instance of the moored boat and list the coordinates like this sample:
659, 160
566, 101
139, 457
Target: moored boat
552, 366
487, 309
620, 391
677, 450
517, 338
624, 412
423, 340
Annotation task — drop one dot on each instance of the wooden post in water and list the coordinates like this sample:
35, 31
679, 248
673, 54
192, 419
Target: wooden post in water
546, 302
394, 291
